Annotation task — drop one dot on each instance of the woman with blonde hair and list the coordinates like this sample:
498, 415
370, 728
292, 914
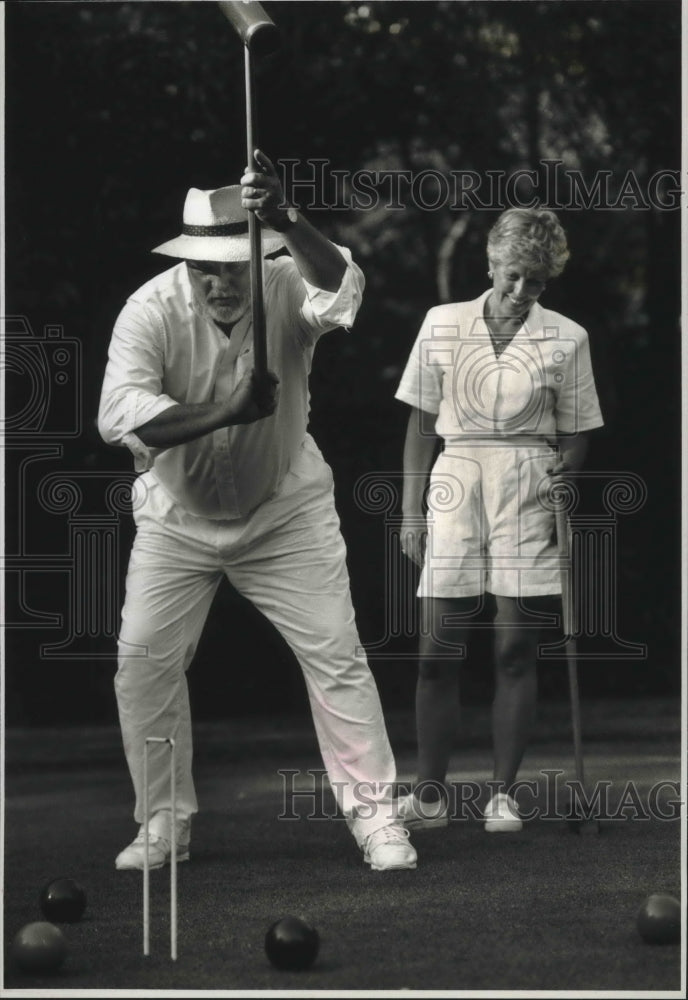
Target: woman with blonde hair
505, 388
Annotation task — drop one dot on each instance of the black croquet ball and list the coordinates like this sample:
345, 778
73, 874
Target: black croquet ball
63, 901
39, 947
291, 943
659, 919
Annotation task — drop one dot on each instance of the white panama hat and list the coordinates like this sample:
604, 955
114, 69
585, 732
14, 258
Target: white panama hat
215, 227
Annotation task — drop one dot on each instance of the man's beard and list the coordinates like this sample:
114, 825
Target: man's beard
223, 316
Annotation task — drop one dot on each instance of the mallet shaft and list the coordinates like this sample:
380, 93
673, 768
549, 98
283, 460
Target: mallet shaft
254, 234
564, 569
260, 36
568, 625
572, 666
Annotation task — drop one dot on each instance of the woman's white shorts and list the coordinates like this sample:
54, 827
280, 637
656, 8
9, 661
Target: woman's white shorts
489, 525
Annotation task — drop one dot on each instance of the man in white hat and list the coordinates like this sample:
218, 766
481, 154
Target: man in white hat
231, 483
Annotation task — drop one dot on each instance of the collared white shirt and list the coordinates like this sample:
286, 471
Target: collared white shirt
163, 353
542, 384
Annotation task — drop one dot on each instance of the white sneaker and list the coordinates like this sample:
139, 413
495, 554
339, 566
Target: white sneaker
419, 815
159, 844
501, 815
389, 848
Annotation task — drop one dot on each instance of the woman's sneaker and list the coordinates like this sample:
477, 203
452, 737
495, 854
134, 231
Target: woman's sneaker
389, 848
418, 815
501, 815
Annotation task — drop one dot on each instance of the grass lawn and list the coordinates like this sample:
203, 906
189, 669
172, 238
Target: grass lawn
542, 910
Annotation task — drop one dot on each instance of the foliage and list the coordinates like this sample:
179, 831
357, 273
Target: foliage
114, 109
130, 103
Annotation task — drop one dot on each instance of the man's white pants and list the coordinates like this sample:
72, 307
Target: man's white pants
287, 557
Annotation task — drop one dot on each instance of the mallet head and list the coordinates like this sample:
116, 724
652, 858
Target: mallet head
585, 826
580, 820
255, 28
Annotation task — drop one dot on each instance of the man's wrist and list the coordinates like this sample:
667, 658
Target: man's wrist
287, 220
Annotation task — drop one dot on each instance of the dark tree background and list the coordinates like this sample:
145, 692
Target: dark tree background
113, 110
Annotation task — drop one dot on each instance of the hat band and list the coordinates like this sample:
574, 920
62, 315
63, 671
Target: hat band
229, 229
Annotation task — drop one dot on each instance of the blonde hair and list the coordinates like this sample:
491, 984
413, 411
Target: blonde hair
532, 236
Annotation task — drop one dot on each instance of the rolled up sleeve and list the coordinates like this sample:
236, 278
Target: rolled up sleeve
323, 310
132, 387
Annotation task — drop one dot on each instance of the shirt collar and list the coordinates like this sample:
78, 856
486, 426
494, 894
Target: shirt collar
186, 286
534, 325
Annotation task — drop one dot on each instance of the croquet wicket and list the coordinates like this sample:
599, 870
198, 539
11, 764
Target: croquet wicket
173, 857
